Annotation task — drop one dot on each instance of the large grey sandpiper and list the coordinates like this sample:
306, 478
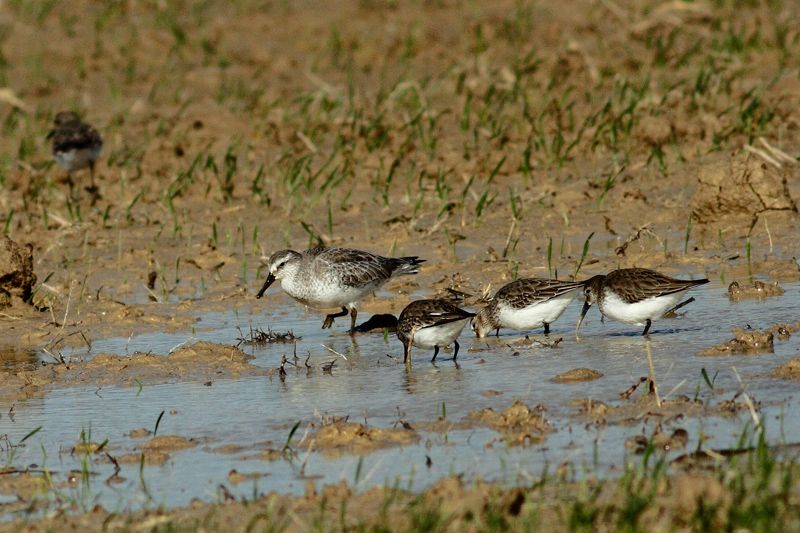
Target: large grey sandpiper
524, 304
334, 277
635, 295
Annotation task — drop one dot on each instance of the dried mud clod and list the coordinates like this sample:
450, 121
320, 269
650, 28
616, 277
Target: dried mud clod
745, 342
156, 451
235, 477
577, 375
741, 184
653, 130
590, 408
783, 331
659, 440
757, 289
788, 370
341, 436
16, 272
632, 411
519, 425
169, 443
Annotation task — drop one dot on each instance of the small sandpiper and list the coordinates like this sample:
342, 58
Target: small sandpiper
431, 324
76, 144
635, 295
334, 277
525, 304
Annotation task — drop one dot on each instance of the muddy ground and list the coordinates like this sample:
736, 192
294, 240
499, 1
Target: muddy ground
493, 139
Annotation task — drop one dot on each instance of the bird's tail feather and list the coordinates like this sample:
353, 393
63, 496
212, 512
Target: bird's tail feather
407, 265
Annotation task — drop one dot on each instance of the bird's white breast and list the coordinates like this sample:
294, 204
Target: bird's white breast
77, 159
439, 335
639, 312
534, 315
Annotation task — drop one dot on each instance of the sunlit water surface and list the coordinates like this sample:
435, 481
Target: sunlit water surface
373, 387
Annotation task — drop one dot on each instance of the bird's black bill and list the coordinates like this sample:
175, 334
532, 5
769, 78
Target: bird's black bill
270, 279
586, 306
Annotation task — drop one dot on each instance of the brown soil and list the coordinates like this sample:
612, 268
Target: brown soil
475, 135
741, 184
450, 505
232, 92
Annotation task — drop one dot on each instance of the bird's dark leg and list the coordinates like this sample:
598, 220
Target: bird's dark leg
435, 353
353, 314
91, 176
497, 332
92, 188
546, 328
455, 352
647, 327
71, 185
329, 318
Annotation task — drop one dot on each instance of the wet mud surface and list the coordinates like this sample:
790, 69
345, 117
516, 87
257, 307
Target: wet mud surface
495, 140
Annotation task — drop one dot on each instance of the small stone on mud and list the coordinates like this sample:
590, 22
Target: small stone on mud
577, 375
757, 289
745, 342
16, 272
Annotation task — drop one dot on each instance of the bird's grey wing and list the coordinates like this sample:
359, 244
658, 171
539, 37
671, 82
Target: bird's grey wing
528, 291
648, 284
354, 268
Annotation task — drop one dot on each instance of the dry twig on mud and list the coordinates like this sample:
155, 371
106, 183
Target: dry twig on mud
635, 236
259, 337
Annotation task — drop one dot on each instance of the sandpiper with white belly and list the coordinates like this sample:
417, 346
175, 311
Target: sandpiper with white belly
431, 324
525, 304
635, 295
334, 277
76, 144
